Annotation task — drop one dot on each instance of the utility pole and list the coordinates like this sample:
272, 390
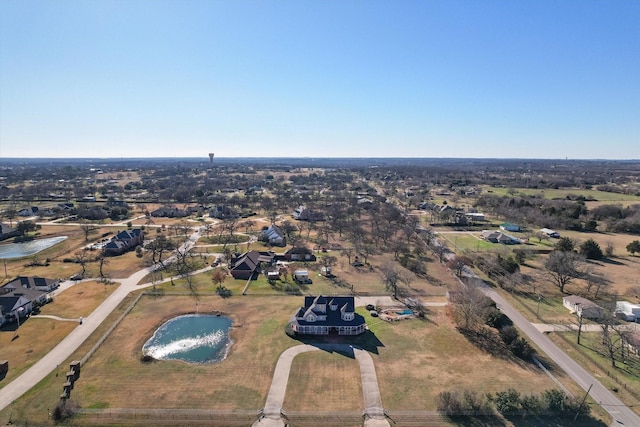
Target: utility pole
582, 403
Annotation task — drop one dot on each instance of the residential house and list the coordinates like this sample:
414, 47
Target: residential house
124, 241
632, 342
247, 265
18, 300
324, 315
582, 307
507, 226
550, 233
7, 232
499, 237
31, 282
169, 212
301, 213
15, 305
475, 216
30, 211
223, 212
299, 254
628, 311
274, 236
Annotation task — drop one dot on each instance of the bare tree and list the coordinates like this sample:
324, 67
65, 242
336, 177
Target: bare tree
218, 277
87, 229
327, 262
458, 263
81, 257
102, 261
470, 304
563, 267
392, 277
348, 252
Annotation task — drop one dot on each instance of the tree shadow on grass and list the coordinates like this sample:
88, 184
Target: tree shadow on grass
487, 341
476, 421
582, 421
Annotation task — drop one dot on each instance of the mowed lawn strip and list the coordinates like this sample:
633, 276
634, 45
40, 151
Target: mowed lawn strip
324, 381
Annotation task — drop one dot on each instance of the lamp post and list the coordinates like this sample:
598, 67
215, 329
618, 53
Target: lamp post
538, 310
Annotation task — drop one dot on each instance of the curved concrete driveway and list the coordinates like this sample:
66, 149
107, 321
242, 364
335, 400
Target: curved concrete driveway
370, 391
71, 342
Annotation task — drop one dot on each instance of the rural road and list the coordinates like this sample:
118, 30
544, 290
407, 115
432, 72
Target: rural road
621, 414
61, 352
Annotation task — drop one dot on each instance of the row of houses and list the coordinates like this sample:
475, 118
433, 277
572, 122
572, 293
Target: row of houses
19, 297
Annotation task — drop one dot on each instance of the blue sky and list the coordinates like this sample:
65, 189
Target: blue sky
181, 78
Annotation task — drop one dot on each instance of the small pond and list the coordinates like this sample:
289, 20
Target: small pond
19, 250
193, 338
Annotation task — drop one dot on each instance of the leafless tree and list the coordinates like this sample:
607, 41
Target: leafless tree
82, 257
327, 262
348, 252
393, 276
102, 261
470, 304
87, 229
563, 267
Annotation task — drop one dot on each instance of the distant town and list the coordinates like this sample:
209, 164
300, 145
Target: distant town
319, 291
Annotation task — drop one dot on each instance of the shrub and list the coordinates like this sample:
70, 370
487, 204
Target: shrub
590, 249
63, 410
508, 402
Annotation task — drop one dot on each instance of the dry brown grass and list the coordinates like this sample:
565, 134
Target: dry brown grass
321, 380
36, 336
33, 340
414, 360
239, 382
79, 300
429, 357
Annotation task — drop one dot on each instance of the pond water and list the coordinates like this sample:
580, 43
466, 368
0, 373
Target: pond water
19, 250
193, 338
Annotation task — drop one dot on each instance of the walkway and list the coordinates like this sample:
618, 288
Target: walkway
373, 411
61, 352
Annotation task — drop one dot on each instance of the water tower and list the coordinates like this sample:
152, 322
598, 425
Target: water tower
211, 159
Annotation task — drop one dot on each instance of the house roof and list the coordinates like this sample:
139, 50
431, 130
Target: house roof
8, 303
32, 282
250, 260
342, 304
578, 300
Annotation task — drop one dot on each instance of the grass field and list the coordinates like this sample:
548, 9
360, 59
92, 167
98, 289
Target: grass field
438, 356
601, 196
36, 336
625, 379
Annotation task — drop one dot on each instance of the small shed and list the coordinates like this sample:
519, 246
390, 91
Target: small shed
301, 276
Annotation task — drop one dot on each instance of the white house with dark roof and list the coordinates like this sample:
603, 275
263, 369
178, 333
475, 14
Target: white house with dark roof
324, 315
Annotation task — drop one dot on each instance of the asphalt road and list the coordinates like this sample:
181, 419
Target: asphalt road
621, 414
